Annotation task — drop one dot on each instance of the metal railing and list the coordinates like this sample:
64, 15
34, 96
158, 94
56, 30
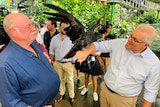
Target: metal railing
145, 5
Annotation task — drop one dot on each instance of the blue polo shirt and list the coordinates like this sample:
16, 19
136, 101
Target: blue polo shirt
26, 79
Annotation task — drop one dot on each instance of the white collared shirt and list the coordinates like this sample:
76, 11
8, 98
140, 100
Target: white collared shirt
128, 72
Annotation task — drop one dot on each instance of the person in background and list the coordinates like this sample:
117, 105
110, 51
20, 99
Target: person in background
52, 31
59, 46
27, 77
78, 77
4, 38
132, 66
77, 70
105, 30
90, 66
40, 41
38, 38
43, 29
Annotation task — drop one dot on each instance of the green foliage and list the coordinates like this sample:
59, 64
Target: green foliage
85, 12
156, 47
123, 29
148, 17
1, 18
35, 10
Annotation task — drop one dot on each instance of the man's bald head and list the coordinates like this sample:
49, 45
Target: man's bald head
14, 19
19, 28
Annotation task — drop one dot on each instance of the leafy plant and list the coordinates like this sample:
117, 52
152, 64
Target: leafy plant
84, 11
123, 30
148, 17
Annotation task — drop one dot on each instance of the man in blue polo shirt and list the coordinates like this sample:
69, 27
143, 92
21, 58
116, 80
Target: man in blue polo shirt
27, 77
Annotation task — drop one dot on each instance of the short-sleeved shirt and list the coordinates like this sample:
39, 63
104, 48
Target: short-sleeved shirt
59, 48
47, 39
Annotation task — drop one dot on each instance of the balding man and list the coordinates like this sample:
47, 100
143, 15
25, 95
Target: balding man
27, 77
133, 65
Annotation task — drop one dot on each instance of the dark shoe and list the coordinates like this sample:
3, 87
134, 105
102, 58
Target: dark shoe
72, 101
78, 82
60, 98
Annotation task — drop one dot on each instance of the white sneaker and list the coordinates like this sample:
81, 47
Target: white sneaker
84, 91
95, 96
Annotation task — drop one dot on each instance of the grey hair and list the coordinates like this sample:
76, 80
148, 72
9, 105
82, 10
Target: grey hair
37, 25
150, 39
150, 32
6, 24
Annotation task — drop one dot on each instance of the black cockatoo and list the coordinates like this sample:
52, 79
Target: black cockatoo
75, 30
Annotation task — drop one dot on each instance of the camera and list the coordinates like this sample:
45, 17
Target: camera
103, 28
4, 38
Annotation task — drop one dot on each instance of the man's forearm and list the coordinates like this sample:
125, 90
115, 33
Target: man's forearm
82, 55
52, 58
91, 48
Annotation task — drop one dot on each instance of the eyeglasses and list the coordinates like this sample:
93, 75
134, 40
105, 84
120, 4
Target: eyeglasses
133, 39
29, 26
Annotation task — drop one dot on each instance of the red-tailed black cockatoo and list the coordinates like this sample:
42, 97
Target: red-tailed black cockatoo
78, 35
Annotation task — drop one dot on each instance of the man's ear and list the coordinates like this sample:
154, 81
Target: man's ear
13, 32
147, 45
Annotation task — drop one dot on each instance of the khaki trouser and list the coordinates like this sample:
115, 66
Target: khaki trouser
109, 99
66, 74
